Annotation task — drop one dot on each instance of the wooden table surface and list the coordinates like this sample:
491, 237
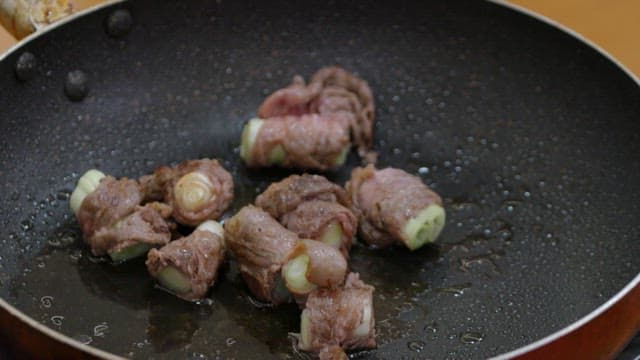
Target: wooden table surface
612, 24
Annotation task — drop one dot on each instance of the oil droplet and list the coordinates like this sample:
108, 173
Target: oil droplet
57, 320
416, 346
46, 301
100, 329
230, 341
471, 337
423, 170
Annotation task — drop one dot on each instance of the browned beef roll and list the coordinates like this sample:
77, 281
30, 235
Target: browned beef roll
340, 317
197, 190
394, 206
309, 141
313, 264
261, 246
331, 90
313, 208
188, 267
112, 220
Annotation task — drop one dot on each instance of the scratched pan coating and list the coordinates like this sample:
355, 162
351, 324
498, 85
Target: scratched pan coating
531, 137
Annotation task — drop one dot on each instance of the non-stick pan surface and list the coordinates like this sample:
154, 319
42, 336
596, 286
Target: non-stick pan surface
531, 137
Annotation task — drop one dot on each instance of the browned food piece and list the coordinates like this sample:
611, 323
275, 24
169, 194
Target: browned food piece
286, 195
329, 222
313, 264
188, 266
394, 206
309, 141
343, 91
261, 246
292, 100
331, 90
145, 226
197, 190
111, 201
341, 317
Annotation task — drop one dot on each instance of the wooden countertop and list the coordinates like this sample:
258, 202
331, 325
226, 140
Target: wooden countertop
612, 24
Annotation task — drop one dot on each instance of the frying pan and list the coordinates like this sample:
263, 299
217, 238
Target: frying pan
531, 137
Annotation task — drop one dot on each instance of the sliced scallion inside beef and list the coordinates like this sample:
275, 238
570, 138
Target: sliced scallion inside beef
332, 235
194, 191
249, 136
425, 227
295, 275
305, 331
86, 185
174, 280
129, 252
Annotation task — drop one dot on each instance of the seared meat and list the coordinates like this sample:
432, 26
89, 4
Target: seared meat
312, 207
261, 246
111, 201
144, 226
331, 90
394, 206
197, 190
309, 141
188, 266
313, 264
284, 196
342, 91
340, 317
324, 221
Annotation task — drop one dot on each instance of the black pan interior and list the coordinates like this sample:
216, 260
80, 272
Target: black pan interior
531, 137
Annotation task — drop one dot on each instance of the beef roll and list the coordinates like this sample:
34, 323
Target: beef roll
197, 190
313, 208
309, 141
112, 220
338, 317
395, 207
275, 263
188, 267
331, 90
261, 246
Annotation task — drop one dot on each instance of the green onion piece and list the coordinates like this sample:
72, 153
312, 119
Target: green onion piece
174, 280
87, 184
249, 136
295, 275
425, 227
305, 331
213, 227
342, 157
193, 191
365, 325
332, 235
277, 155
129, 252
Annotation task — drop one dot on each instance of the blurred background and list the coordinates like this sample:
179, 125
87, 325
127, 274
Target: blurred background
612, 24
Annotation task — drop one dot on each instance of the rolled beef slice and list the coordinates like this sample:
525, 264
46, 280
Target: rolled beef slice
284, 196
144, 226
387, 200
261, 246
111, 201
331, 90
309, 141
340, 317
312, 219
197, 190
197, 257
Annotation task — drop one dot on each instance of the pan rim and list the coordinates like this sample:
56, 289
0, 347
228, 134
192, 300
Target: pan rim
612, 301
